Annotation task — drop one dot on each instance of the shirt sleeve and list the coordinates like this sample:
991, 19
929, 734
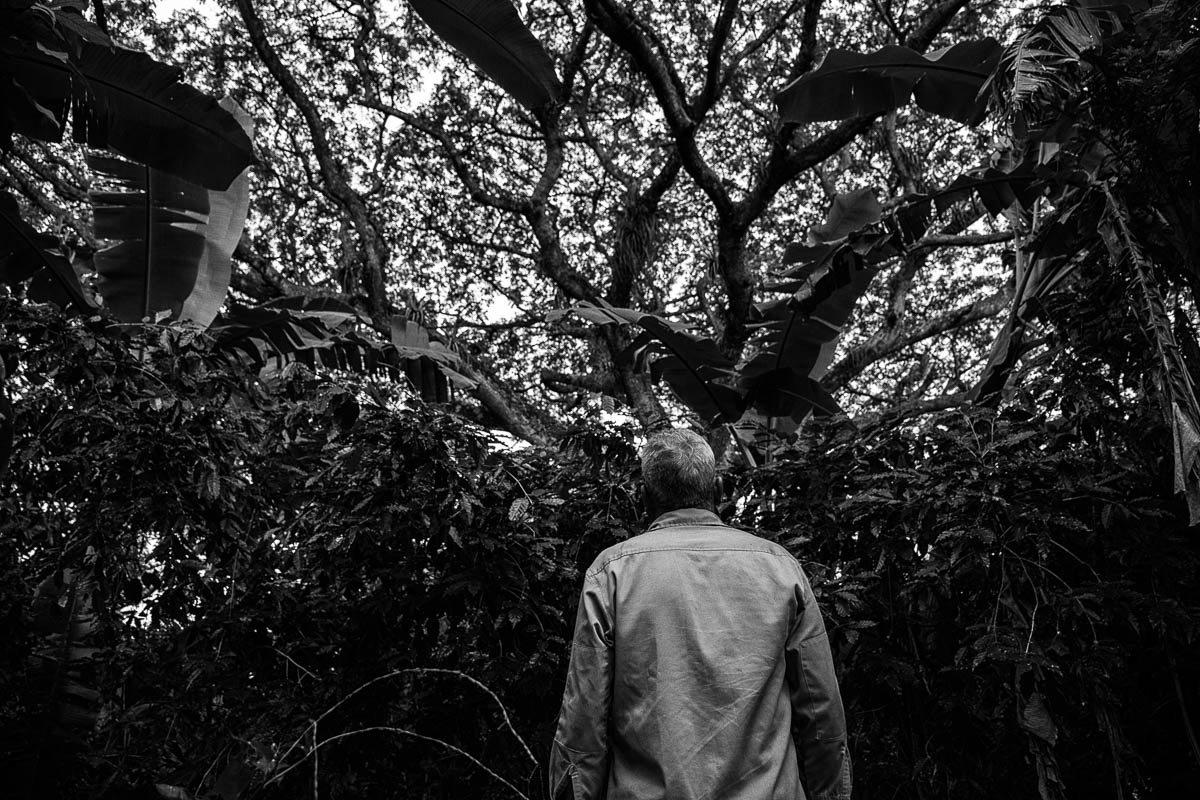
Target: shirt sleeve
579, 757
818, 720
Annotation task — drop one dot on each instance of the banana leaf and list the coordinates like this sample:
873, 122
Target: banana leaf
491, 34
429, 365
800, 336
174, 239
125, 101
848, 84
24, 252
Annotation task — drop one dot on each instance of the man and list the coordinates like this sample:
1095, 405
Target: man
698, 654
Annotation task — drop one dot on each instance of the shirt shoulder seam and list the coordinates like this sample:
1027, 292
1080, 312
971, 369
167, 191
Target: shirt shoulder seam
596, 570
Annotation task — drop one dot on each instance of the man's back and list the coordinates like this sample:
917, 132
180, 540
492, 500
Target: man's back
697, 649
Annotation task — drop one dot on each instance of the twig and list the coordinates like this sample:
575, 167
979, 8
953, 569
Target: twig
403, 732
293, 662
1187, 719
394, 673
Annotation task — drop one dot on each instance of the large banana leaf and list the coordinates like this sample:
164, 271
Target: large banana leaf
848, 84
848, 213
325, 332
1039, 63
1049, 256
175, 239
284, 330
1046, 262
800, 336
24, 251
429, 365
491, 34
121, 99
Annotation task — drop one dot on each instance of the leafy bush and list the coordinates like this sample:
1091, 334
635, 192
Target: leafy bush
198, 562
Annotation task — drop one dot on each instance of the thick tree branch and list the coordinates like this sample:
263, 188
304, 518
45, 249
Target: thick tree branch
936, 240
716, 47
491, 197
893, 341
626, 31
373, 248
913, 408
499, 406
564, 382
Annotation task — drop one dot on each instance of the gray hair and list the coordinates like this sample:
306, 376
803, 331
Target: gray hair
679, 470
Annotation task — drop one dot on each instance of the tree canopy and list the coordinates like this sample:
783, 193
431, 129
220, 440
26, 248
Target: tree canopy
397, 178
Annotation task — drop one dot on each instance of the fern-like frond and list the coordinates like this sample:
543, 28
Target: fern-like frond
1046, 62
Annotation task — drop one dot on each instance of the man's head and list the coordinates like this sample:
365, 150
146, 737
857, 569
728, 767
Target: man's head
679, 471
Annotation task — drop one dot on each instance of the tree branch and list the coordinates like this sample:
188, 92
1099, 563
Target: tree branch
492, 198
564, 382
890, 342
627, 32
333, 174
712, 71
936, 240
913, 408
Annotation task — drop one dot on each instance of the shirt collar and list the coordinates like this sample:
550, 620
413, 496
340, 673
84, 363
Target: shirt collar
685, 516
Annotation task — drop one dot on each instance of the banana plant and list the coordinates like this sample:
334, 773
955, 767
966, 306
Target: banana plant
326, 332
173, 239
1062, 181
1180, 406
948, 83
491, 34
59, 72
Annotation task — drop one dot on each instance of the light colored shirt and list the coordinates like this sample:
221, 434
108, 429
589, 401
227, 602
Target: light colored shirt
700, 668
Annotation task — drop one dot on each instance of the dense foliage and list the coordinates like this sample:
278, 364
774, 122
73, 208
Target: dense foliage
200, 563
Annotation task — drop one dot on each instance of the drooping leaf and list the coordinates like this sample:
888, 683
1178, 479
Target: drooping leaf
316, 332
1042, 62
848, 84
126, 101
800, 336
227, 211
1181, 406
848, 213
491, 34
429, 364
174, 239
24, 251
711, 401
1051, 257
997, 190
